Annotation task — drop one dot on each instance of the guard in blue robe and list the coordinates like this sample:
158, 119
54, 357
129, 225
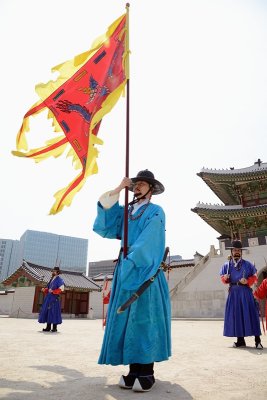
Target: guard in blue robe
241, 312
141, 335
51, 309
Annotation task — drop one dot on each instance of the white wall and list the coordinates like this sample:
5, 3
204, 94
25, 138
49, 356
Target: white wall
176, 275
209, 278
23, 302
6, 301
95, 301
19, 304
205, 295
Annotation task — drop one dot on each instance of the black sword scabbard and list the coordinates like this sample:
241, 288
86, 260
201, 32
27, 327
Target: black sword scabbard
143, 287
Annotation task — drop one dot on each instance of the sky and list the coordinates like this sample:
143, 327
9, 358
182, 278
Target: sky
198, 98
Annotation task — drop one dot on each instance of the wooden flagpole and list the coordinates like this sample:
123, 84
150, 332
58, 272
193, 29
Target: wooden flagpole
127, 69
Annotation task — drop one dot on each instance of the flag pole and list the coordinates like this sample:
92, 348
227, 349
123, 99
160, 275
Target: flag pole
127, 70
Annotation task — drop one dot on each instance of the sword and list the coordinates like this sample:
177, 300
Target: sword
144, 286
260, 304
263, 326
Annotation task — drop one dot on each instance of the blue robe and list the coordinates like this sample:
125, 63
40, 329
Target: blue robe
51, 309
241, 313
142, 333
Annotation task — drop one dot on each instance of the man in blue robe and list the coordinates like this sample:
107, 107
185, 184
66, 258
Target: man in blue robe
51, 309
141, 335
241, 313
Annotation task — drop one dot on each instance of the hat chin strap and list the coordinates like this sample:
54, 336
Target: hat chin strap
137, 197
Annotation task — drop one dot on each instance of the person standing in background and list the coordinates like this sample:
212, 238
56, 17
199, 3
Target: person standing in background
261, 293
241, 314
51, 309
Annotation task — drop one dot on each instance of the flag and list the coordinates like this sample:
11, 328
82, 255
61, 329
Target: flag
87, 88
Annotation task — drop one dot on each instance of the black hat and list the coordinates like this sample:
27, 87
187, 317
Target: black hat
148, 176
56, 269
236, 244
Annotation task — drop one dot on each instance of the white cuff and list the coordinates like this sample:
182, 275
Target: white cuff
107, 201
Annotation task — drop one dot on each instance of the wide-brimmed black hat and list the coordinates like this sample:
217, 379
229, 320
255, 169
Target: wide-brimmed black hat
57, 269
236, 244
148, 176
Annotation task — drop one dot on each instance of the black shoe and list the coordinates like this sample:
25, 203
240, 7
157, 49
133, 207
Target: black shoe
53, 330
258, 345
127, 382
46, 330
239, 344
143, 383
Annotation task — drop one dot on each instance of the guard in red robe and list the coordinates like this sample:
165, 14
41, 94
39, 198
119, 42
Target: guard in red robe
261, 293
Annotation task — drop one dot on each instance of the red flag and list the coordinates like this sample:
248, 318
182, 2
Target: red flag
88, 87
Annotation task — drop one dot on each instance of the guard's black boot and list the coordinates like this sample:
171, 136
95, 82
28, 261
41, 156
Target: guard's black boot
145, 380
54, 328
258, 344
48, 328
240, 342
143, 383
127, 382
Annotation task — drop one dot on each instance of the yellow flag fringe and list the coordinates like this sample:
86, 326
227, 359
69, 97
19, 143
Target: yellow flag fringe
55, 147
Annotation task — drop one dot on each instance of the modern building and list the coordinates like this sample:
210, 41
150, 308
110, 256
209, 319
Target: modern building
43, 248
9, 250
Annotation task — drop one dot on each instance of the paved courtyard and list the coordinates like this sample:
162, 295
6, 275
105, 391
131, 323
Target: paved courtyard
40, 366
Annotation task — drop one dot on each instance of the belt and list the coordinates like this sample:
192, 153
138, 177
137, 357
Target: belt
238, 284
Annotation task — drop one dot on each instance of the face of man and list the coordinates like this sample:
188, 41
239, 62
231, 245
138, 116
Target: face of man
54, 272
236, 253
140, 188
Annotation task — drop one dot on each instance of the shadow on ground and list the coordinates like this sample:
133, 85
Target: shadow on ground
75, 385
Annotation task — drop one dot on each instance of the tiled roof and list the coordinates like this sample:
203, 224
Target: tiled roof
208, 206
182, 263
72, 279
233, 208
225, 183
222, 218
232, 171
102, 277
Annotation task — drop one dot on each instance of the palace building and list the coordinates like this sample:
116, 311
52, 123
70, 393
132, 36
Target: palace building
241, 215
79, 296
244, 194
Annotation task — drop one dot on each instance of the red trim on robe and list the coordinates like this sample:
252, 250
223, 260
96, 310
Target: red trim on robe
225, 281
57, 291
